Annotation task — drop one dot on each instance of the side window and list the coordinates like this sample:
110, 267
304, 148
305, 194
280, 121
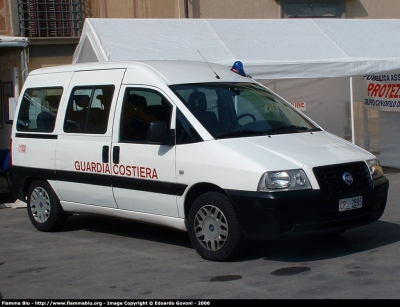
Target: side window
140, 107
88, 109
38, 109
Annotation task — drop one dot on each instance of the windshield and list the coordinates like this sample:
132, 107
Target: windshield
241, 109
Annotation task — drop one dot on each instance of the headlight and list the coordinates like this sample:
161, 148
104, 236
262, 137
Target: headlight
375, 168
284, 181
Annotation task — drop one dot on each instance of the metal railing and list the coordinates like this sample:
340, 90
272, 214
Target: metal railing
51, 18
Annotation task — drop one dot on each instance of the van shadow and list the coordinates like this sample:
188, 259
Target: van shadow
352, 241
366, 238
126, 228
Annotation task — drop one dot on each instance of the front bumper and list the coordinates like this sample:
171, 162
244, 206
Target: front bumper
281, 215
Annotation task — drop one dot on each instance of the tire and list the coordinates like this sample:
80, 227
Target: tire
44, 208
333, 234
213, 228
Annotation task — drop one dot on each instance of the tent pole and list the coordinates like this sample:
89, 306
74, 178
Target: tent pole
352, 111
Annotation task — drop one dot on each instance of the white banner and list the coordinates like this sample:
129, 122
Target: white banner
382, 92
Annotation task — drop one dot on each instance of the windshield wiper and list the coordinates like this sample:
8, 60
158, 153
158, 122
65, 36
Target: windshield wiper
288, 129
248, 132
240, 133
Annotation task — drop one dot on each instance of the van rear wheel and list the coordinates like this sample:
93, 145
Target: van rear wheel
44, 208
214, 229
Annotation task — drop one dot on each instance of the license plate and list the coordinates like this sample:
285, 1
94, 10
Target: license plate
350, 203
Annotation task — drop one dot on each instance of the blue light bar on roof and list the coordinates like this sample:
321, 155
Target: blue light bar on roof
237, 67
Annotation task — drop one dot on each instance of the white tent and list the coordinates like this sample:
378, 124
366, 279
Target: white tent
318, 61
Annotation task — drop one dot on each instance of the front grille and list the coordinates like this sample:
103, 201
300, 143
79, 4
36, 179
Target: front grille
330, 178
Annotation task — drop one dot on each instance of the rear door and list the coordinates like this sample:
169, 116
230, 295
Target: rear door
83, 161
34, 141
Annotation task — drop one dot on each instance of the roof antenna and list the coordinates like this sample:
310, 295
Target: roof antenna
216, 76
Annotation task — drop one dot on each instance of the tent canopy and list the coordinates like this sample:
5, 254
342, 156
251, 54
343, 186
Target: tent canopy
11, 42
268, 48
320, 62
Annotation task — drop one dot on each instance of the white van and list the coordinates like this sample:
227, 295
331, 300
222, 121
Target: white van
190, 145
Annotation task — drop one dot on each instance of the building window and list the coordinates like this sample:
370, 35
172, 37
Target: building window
51, 18
313, 9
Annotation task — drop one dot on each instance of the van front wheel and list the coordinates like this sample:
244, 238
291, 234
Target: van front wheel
44, 209
214, 229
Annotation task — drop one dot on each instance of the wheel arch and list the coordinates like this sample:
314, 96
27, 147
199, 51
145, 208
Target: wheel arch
198, 189
27, 183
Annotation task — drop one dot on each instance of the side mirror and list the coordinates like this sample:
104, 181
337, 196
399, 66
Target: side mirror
157, 133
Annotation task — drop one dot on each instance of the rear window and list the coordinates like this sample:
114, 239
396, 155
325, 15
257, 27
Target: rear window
38, 109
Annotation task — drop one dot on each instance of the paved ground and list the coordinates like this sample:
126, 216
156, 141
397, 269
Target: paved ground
99, 258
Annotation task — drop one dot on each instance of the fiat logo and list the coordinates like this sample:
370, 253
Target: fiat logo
347, 178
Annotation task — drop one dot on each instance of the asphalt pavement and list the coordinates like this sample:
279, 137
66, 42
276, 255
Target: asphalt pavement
103, 258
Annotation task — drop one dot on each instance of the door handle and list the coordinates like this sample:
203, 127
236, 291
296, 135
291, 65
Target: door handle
104, 154
116, 154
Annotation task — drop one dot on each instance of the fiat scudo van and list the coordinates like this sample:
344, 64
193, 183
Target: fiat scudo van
195, 146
